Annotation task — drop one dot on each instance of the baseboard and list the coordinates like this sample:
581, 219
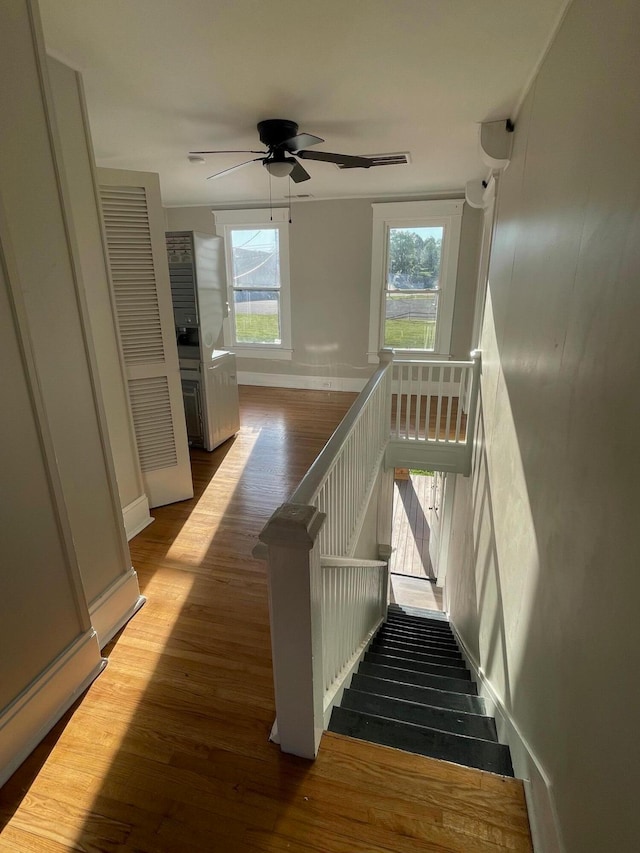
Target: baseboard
309, 383
136, 516
117, 604
27, 720
543, 817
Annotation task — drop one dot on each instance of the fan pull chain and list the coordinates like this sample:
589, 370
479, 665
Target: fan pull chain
270, 202
289, 199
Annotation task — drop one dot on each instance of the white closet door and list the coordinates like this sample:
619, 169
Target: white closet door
134, 228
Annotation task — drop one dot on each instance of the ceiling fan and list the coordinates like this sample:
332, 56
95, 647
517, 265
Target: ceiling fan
282, 141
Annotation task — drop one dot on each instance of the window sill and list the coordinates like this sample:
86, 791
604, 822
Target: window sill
257, 351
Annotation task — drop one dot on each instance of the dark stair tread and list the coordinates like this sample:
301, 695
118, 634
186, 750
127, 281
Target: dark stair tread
397, 650
445, 719
417, 622
423, 695
389, 659
418, 639
422, 648
418, 679
421, 612
420, 631
433, 696
471, 752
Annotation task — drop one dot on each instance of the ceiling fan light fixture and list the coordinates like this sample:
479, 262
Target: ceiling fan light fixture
280, 168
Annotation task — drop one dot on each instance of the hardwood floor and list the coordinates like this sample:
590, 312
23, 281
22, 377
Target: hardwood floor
168, 750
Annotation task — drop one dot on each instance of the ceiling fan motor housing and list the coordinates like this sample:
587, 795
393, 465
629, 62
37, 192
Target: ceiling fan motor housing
274, 132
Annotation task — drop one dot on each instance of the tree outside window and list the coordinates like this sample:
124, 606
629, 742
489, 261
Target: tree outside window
412, 287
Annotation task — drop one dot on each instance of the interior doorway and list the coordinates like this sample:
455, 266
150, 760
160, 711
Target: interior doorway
416, 512
413, 493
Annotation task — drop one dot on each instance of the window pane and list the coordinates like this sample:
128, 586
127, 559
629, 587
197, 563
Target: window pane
410, 320
414, 258
257, 316
255, 257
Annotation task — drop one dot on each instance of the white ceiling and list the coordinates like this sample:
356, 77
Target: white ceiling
163, 77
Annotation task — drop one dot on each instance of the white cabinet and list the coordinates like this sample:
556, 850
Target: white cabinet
221, 393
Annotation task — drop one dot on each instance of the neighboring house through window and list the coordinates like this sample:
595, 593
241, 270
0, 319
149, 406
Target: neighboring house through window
257, 259
413, 276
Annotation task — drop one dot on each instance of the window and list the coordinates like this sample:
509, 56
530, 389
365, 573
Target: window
256, 249
413, 276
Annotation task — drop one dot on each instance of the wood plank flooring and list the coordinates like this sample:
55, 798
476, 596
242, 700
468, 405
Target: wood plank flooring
168, 750
416, 592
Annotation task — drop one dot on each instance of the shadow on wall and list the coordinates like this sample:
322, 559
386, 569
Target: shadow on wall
492, 634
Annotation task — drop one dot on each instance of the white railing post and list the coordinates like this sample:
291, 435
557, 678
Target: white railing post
474, 393
295, 604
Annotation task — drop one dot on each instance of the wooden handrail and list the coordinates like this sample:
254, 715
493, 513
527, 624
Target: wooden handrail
350, 562
435, 362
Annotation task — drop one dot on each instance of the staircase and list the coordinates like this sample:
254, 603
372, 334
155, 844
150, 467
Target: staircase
413, 691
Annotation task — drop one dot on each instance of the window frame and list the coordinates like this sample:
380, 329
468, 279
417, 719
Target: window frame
277, 219
445, 214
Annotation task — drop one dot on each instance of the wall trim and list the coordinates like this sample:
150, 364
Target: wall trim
117, 604
538, 787
25, 722
295, 380
136, 516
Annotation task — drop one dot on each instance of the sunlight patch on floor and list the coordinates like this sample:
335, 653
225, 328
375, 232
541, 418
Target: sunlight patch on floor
193, 542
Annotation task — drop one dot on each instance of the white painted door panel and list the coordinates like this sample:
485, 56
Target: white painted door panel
134, 228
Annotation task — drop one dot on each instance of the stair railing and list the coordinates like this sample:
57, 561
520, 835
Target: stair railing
325, 603
340, 480
433, 414
354, 603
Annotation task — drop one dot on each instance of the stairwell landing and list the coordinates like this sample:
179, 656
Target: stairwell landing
413, 691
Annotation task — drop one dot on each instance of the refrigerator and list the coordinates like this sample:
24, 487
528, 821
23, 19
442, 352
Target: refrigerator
208, 374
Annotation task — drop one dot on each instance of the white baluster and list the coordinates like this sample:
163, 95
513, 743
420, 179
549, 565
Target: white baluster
449, 403
461, 392
439, 406
429, 397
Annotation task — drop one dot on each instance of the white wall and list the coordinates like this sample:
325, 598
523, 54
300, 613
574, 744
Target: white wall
48, 651
77, 157
543, 584
330, 263
62, 346
66, 88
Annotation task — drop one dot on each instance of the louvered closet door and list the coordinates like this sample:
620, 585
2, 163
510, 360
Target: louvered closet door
134, 227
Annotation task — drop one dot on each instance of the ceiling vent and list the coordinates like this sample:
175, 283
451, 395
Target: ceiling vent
401, 159
298, 195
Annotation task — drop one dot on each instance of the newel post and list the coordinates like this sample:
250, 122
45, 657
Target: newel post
476, 357
295, 607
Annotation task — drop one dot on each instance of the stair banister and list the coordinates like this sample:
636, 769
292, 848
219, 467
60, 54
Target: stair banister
325, 603
296, 536
312, 482
295, 611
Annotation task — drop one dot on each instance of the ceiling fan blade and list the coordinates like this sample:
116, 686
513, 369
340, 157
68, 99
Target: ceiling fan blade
228, 152
233, 168
299, 173
302, 140
341, 159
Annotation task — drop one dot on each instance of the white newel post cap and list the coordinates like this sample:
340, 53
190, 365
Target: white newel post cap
293, 524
